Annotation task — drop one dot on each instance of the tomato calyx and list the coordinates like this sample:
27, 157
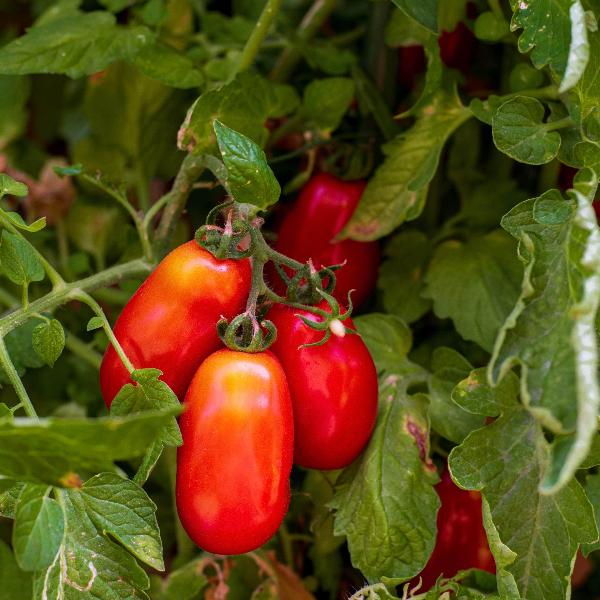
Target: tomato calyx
245, 333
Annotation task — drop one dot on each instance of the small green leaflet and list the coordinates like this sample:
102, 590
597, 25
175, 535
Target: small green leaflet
533, 537
39, 528
398, 190
184, 583
551, 331
520, 132
424, 12
250, 180
18, 260
49, 340
19, 223
95, 323
326, 100
9, 186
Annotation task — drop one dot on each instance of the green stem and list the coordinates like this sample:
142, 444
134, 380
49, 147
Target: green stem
259, 33
87, 299
559, 124
69, 291
7, 364
141, 187
83, 351
310, 24
25, 295
174, 202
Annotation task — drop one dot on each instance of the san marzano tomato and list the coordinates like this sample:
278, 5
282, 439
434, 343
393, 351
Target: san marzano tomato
169, 323
233, 468
333, 389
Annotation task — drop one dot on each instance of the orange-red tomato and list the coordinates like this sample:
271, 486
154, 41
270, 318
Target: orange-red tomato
333, 389
233, 468
461, 541
169, 323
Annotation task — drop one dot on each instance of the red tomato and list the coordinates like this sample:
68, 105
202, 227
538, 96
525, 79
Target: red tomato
233, 468
411, 64
169, 323
333, 389
581, 571
456, 47
461, 541
324, 206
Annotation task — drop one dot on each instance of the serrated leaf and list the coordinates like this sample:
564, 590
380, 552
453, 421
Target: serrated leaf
60, 451
424, 12
326, 100
391, 534
121, 508
88, 564
519, 131
39, 528
548, 39
533, 537
550, 331
401, 275
249, 178
74, 45
18, 260
475, 283
398, 190
49, 341
9, 186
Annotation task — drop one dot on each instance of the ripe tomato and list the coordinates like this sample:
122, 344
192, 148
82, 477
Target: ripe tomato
238, 436
461, 541
456, 47
333, 389
169, 323
324, 206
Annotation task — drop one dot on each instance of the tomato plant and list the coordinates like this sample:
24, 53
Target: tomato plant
233, 501
191, 404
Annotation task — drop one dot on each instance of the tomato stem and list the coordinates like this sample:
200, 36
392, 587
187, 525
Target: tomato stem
11, 372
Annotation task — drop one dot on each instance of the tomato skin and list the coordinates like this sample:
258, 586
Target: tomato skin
233, 469
461, 540
169, 323
324, 206
333, 389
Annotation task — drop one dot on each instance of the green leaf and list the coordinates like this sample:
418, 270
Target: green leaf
325, 101
250, 180
424, 12
184, 583
58, 451
490, 27
519, 131
88, 564
16, 585
11, 187
548, 39
74, 45
329, 58
579, 50
39, 528
168, 66
592, 490
121, 508
401, 275
533, 537
550, 331
18, 260
20, 348
402, 30
14, 93
448, 418
476, 284
19, 223
390, 534
9, 494
398, 190
94, 323
49, 341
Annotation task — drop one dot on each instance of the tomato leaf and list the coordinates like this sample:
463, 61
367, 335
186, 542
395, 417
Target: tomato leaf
533, 537
38, 529
390, 535
121, 508
519, 131
551, 331
14, 93
16, 585
11, 187
184, 583
325, 101
55, 451
250, 180
18, 260
49, 341
424, 12
475, 283
398, 190
9, 494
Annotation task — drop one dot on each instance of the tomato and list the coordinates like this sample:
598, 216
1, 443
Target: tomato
582, 570
169, 323
411, 63
333, 389
238, 437
324, 206
461, 540
456, 47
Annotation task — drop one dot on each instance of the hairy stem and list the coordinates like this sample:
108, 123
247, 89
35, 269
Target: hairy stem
7, 364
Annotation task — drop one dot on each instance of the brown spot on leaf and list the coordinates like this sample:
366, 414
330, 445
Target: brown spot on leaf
71, 480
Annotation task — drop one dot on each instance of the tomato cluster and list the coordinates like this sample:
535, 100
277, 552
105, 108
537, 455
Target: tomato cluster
248, 416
